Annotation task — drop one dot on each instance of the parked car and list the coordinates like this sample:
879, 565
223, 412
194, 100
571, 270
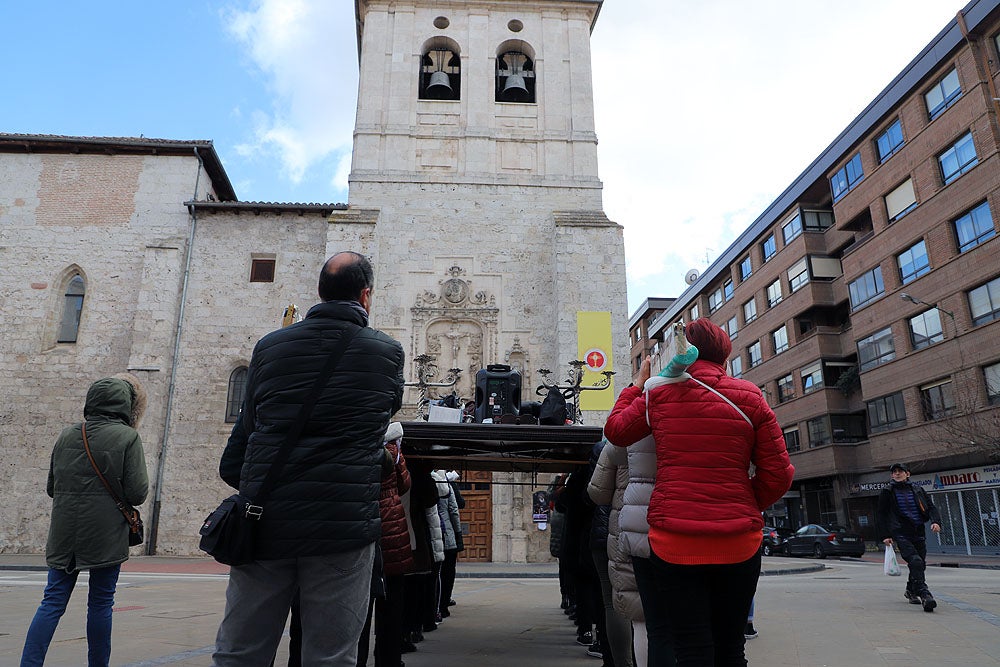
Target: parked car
820, 542
774, 540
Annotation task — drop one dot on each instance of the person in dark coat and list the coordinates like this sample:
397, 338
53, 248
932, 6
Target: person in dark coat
576, 548
87, 530
321, 520
903, 508
428, 552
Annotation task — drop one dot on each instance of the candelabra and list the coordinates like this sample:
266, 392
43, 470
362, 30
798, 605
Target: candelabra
573, 386
426, 370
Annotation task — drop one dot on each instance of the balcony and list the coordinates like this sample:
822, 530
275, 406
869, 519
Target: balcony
829, 460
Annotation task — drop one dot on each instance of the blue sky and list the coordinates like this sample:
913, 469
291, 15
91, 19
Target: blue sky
706, 111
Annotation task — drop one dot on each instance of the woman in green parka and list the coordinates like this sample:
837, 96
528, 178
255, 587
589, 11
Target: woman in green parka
87, 531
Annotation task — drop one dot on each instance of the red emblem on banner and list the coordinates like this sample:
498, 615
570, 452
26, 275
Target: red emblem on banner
596, 360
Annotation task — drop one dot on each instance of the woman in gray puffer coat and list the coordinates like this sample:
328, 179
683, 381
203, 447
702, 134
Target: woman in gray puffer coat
632, 474
607, 487
87, 531
451, 529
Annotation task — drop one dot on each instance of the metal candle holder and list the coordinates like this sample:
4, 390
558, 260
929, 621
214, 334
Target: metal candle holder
573, 386
426, 370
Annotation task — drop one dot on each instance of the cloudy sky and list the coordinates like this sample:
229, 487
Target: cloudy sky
706, 111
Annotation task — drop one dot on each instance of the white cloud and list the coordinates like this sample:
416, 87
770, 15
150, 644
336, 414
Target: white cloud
706, 112
307, 52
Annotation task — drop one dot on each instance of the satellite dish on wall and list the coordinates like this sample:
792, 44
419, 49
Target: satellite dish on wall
691, 276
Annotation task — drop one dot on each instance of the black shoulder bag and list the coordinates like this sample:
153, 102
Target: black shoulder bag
228, 533
136, 531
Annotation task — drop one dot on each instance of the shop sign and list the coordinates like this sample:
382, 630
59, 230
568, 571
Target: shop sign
868, 487
965, 478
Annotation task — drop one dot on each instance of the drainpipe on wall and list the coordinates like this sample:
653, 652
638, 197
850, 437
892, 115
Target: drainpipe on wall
154, 523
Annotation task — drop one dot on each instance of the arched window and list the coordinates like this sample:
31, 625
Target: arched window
440, 74
237, 392
69, 326
515, 77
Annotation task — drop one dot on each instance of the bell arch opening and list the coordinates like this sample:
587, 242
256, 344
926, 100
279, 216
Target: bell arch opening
440, 75
515, 72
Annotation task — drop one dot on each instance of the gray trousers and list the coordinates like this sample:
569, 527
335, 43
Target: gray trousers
333, 597
618, 628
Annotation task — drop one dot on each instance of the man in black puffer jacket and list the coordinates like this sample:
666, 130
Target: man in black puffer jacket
321, 520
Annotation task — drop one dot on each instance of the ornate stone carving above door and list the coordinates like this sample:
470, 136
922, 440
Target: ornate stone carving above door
457, 325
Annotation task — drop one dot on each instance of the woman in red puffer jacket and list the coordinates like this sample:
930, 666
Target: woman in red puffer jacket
705, 512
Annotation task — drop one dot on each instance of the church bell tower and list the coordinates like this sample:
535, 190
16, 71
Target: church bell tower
474, 178
475, 166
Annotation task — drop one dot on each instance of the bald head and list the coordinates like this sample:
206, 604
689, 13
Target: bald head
347, 276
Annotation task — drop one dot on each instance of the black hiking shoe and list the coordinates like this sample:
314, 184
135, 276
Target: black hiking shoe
928, 601
911, 596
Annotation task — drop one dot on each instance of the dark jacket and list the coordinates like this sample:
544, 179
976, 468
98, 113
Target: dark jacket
326, 498
602, 513
87, 530
892, 521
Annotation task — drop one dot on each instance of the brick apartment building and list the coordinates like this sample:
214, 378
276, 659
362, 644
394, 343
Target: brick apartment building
638, 331
865, 301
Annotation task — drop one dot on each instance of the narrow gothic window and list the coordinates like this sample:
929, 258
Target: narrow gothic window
237, 392
515, 79
440, 75
69, 327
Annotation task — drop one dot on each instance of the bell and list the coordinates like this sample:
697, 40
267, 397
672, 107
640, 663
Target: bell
439, 86
515, 90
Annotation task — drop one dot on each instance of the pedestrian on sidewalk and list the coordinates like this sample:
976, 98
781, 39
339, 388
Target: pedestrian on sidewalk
87, 530
705, 512
320, 522
903, 509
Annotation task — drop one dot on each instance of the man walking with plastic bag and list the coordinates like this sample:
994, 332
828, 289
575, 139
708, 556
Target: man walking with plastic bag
903, 508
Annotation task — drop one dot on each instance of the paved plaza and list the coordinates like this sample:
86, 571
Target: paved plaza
832, 613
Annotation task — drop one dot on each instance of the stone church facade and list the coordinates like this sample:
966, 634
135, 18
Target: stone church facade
473, 188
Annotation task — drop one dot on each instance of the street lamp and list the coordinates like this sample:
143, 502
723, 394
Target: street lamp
954, 322
912, 299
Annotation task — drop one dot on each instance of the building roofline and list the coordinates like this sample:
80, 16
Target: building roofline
650, 303
256, 207
52, 143
932, 55
359, 22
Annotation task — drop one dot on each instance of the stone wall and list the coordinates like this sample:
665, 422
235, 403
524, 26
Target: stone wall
119, 222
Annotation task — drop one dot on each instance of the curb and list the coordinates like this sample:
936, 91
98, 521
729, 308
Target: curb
794, 570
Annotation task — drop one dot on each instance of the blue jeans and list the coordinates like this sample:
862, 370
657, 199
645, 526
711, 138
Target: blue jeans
100, 600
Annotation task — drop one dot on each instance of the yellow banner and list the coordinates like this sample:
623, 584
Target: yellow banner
593, 336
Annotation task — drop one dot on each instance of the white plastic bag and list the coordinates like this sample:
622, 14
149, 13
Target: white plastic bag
891, 566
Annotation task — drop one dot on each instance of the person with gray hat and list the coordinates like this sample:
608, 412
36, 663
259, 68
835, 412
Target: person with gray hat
903, 509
